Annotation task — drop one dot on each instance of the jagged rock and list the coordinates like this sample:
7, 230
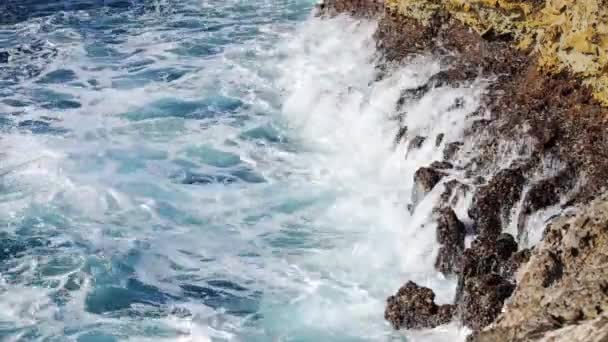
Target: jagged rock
565, 282
413, 307
492, 203
480, 125
451, 149
543, 194
485, 256
514, 263
482, 299
450, 234
450, 231
357, 8
454, 191
441, 165
505, 247
425, 180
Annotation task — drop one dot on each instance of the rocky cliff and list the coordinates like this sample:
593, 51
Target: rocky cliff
540, 141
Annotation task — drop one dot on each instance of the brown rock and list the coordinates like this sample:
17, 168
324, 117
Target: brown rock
543, 194
518, 259
425, 180
485, 256
454, 191
441, 165
450, 234
451, 149
482, 299
413, 307
493, 202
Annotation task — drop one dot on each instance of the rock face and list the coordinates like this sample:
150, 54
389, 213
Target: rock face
548, 106
543, 194
484, 280
482, 299
493, 202
564, 287
450, 234
425, 180
413, 307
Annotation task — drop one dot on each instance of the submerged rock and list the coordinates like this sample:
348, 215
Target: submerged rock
484, 279
413, 307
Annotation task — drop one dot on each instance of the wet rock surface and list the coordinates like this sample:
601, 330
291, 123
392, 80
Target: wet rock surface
486, 256
425, 179
413, 307
451, 149
543, 194
493, 202
416, 143
482, 299
451, 233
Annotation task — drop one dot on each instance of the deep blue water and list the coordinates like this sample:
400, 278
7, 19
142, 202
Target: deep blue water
190, 170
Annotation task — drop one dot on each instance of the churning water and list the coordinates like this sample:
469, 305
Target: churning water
190, 170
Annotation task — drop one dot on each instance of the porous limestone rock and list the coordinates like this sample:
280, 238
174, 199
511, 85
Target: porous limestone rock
450, 234
413, 307
569, 35
563, 289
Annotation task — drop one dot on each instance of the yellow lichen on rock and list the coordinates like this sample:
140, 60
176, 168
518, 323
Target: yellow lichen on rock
565, 34
422, 11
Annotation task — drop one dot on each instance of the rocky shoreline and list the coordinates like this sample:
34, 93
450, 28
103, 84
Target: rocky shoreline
540, 140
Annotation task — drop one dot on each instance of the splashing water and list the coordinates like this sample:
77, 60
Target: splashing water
210, 171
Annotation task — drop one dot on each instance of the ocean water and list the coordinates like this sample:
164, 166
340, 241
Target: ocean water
190, 170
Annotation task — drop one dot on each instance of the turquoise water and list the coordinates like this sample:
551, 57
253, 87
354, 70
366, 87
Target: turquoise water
207, 171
